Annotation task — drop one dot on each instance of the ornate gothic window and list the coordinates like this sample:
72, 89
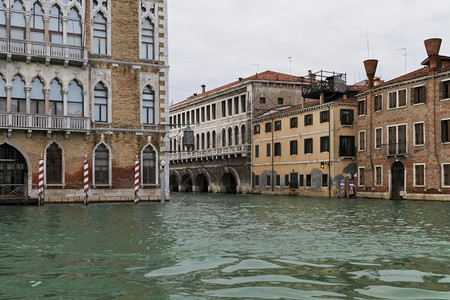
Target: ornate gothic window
37, 23
75, 99
2, 19
99, 45
18, 21
55, 97
37, 99
148, 106
101, 165
147, 39
100, 103
55, 25
74, 28
54, 164
2, 94
18, 99
149, 166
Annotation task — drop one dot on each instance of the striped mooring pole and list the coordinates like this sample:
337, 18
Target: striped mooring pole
137, 167
41, 181
86, 181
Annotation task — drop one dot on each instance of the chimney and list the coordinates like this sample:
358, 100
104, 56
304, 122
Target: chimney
203, 88
376, 81
433, 46
371, 67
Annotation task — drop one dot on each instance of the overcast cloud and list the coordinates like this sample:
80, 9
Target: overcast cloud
214, 42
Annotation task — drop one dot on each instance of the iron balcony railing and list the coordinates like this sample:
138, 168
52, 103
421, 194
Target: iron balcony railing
44, 122
243, 150
42, 49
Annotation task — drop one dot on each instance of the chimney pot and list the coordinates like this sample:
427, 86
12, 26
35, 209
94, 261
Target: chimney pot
371, 67
203, 88
433, 46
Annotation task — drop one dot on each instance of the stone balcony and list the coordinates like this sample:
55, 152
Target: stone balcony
41, 51
49, 123
232, 151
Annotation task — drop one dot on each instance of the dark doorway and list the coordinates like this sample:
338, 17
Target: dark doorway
228, 183
173, 183
186, 184
398, 180
201, 183
13, 174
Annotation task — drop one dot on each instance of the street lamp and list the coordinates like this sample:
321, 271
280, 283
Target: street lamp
188, 138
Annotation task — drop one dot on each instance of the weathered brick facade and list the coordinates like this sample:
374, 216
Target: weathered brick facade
406, 152
119, 60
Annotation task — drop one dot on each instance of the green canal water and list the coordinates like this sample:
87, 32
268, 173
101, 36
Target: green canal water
205, 246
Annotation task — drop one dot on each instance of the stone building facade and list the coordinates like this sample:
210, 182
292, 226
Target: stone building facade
83, 79
404, 132
307, 149
221, 120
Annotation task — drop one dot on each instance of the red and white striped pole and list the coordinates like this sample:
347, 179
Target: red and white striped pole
86, 180
137, 168
41, 181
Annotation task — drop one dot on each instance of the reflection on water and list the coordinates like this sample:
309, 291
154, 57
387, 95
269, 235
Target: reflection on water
204, 246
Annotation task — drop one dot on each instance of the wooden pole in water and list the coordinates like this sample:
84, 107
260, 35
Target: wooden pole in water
86, 180
41, 181
137, 173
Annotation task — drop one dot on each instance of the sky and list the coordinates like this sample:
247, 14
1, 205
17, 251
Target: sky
214, 42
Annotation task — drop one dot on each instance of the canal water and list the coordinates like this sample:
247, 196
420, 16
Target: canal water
205, 246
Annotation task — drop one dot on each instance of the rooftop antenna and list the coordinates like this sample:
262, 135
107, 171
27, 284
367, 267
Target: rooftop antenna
257, 67
290, 65
404, 54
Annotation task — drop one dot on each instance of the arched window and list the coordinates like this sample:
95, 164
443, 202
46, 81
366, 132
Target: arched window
37, 23
100, 103
101, 165
2, 94
55, 97
149, 166
203, 141
148, 106
243, 135
224, 138
198, 142
147, 40
75, 100
208, 140
55, 25
54, 164
213, 139
99, 35
236, 135
18, 99
230, 137
2, 20
17, 21
74, 28
37, 99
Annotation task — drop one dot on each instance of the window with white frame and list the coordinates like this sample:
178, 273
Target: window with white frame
419, 134
445, 89
419, 175
75, 99
362, 107
149, 166
101, 165
397, 99
148, 106
418, 94
397, 142
378, 176
378, 137
362, 141
147, 39
445, 131
378, 102
100, 103
361, 176
446, 175
99, 42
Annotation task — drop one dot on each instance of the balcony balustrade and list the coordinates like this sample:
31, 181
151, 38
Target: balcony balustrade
243, 150
43, 50
44, 122
395, 149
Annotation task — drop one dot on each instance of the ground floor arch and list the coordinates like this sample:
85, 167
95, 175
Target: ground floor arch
173, 183
397, 180
201, 183
228, 183
13, 174
186, 183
